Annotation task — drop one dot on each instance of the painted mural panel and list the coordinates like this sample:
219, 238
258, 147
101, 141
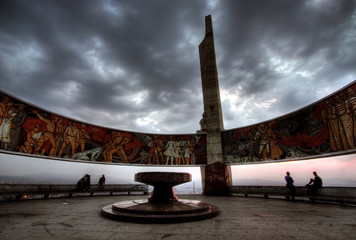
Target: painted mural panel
28, 129
327, 126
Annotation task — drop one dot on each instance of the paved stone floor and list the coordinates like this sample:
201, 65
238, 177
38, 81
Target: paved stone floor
240, 218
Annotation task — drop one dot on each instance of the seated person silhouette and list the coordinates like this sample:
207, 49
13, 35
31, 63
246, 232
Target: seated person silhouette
314, 184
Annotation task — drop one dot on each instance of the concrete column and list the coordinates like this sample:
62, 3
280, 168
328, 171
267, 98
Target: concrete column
216, 174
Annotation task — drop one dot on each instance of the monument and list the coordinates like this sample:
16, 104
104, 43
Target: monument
215, 175
324, 128
163, 206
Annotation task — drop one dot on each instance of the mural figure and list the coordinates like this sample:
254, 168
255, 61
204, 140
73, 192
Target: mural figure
248, 133
115, 146
8, 114
156, 150
59, 134
48, 135
345, 122
3, 112
34, 140
269, 148
329, 116
83, 137
71, 138
170, 152
15, 132
351, 99
181, 152
177, 151
188, 153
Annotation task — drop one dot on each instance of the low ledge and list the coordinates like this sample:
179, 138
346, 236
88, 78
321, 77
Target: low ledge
327, 194
20, 190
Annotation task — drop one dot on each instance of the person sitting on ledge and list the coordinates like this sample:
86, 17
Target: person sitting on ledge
314, 184
80, 183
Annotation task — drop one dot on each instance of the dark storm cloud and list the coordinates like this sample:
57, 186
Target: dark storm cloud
290, 29
299, 47
134, 65
100, 55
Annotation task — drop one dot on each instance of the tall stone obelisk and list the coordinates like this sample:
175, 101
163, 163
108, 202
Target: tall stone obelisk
215, 175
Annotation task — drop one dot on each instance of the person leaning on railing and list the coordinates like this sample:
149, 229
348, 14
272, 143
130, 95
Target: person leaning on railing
290, 185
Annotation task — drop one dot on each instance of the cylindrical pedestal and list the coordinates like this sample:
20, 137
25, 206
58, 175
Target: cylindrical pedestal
163, 183
163, 193
163, 206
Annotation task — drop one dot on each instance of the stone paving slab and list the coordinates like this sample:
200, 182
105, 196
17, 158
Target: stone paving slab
240, 218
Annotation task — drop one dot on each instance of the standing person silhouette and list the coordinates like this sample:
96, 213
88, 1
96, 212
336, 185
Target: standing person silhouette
290, 185
87, 182
102, 182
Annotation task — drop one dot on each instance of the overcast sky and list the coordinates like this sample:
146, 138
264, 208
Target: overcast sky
134, 65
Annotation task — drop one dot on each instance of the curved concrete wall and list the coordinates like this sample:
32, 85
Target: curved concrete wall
325, 127
28, 129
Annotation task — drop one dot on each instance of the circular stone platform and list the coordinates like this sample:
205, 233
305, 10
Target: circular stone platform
163, 206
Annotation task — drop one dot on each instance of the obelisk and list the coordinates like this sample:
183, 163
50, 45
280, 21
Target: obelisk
215, 175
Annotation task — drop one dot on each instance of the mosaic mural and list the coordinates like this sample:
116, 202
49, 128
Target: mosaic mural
327, 126
28, 129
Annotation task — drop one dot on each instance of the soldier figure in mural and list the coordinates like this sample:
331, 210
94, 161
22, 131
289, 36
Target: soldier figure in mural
116, 145
48, 135
71, 138
34, 140
156, 150
329, 116
269, 149
59, 134
340, 122
83, 137
345, 122
351, 99
250, 151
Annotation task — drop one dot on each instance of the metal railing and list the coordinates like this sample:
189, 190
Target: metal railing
25, 191
329, 194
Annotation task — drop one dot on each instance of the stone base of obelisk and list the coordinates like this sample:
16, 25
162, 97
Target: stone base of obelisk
216, 179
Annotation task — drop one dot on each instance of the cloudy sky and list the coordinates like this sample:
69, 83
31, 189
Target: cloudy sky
134, 65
